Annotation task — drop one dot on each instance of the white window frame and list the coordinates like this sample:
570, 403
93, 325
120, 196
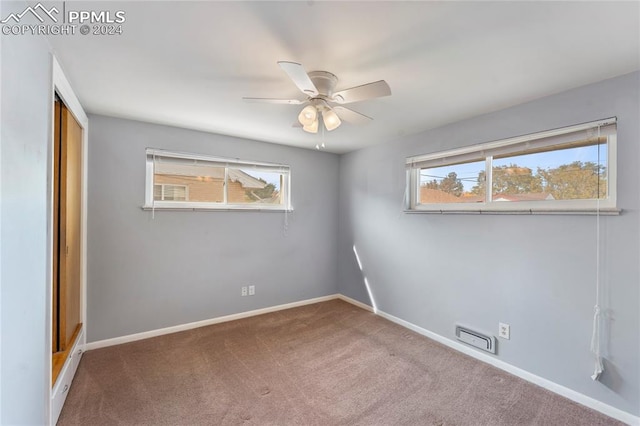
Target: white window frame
486, 151
151, 204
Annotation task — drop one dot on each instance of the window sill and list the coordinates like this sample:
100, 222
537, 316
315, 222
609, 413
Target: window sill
217, 209
577, 212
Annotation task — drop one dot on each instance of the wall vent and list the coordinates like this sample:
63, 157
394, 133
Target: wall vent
473, 338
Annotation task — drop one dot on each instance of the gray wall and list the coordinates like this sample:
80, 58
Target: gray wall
24, 131
146, 274
536, 273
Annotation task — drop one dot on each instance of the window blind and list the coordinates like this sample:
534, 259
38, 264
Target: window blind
580, 135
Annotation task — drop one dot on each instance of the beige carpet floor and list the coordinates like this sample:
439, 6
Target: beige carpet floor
329, 363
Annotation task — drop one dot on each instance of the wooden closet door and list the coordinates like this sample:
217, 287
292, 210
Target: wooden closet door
70, 232
57, 123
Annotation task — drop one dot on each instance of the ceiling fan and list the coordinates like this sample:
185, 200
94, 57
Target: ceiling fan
319, 87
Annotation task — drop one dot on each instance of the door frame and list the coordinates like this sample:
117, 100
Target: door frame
61, 86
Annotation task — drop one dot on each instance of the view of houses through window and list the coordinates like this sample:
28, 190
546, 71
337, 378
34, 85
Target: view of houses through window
196, 181
571, 168
169, 192
575, 173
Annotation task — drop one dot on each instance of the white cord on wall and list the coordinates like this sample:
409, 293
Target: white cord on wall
153, 197
597, 314
285, 225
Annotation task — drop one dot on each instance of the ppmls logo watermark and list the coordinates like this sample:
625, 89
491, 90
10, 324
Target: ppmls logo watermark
53, 21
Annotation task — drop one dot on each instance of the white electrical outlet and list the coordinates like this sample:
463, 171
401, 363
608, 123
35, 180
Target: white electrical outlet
244, 291
504, 330
252, 290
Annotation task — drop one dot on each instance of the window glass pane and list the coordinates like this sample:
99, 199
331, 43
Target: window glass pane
248, 186
199, 182
457, 183
563, 174
170, 193
174, 193
182, 180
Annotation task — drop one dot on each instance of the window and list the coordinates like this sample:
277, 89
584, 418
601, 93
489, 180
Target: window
568, 169
168, 192
191, 181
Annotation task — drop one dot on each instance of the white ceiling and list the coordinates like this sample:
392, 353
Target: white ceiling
188, 64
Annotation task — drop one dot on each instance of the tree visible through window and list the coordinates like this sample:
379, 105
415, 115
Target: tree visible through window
574, 168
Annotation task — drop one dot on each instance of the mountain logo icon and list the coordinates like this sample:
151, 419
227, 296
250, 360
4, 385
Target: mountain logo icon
38, 11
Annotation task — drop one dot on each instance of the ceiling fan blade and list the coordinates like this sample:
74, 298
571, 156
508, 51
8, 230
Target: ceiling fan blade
274, 101
351, 116
296, 124
376, 89
299, 76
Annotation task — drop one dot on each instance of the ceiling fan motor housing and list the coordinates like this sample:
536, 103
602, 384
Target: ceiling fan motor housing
325, 82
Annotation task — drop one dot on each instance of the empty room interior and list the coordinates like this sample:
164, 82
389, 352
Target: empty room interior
320, 213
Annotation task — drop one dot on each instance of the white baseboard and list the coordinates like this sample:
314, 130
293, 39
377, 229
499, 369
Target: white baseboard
168, 330
542, 382
578, 397
355, 302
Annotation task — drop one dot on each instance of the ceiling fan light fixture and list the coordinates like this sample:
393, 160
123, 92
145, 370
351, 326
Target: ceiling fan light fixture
311, 128
318, 88
308, 115
331, 119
